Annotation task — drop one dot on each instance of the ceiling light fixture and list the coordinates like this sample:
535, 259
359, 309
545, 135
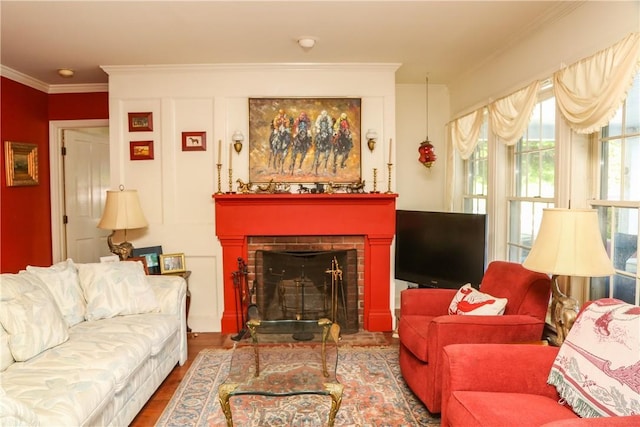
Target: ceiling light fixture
65, 72
307, 43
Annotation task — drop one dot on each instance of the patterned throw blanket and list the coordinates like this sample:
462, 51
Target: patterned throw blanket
597, 370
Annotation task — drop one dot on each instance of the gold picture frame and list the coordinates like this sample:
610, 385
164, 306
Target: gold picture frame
172, 263
21, 163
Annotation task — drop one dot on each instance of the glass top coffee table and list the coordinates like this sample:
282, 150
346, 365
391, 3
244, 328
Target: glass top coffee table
285, 358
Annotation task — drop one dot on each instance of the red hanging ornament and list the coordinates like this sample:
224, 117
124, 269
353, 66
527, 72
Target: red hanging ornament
427, 155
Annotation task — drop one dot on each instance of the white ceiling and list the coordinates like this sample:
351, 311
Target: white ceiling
441, 39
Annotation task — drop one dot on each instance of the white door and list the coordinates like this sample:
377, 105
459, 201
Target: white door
86, 180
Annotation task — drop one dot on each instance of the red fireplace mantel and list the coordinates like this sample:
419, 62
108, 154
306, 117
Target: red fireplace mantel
370, 215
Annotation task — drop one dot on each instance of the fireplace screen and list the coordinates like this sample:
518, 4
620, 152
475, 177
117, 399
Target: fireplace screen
308, 285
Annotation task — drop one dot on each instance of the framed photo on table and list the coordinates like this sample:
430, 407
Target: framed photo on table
152, 256
143, 260
172, 263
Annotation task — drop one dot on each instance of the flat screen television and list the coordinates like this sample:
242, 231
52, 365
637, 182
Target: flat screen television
440, 249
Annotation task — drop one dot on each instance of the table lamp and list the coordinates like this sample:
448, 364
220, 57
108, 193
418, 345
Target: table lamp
568, 244
122, 211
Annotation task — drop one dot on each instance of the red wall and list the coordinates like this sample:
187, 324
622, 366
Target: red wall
25, 212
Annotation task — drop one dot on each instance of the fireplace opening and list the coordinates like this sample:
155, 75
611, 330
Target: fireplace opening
308, 285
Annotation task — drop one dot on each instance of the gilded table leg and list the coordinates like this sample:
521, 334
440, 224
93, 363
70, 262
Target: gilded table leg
224, 393
335, 391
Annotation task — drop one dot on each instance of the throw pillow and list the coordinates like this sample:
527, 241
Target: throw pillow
6, 358
596, 368
470, 301
15, 413
30, 316
62, 281
115, 288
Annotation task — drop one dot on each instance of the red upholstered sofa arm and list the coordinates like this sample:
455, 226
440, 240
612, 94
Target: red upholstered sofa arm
426, 302
508, 368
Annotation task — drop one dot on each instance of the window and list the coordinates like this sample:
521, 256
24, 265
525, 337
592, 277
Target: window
619, 200
533, 179
476, 175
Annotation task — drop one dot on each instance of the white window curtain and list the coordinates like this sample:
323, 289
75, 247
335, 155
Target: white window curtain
465, 131
589, 92
510, 115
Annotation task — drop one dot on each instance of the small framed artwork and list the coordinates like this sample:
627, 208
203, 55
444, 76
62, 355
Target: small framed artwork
140, 122
143, 260
141, 150
110, 258
21, 163
194, 141
172, 263
152, 255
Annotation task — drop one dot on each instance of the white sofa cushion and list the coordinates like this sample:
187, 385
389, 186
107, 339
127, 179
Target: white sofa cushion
115, 289
62, 281
15, 413
30, 316
6, 358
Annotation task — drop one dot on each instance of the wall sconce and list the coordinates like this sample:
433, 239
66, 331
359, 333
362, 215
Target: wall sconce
237, 139
371, 139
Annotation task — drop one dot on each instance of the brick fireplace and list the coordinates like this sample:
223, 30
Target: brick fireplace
249, 222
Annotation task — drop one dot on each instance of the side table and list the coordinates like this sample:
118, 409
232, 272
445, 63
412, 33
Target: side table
185, 275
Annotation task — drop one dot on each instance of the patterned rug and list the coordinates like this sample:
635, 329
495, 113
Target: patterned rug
374, 395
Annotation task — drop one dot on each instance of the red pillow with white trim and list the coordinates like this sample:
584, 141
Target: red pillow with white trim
470, 301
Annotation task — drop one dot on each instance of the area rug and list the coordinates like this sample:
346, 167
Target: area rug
374, 395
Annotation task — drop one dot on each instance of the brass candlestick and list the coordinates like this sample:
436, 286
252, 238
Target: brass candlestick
230, 182
389, 179
219, 167
375, 180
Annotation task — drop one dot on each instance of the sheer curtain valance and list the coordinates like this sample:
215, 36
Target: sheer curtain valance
589, 92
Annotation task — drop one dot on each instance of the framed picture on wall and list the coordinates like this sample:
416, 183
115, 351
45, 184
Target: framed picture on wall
140, 122
194, 141
141, 150
21, 163
304, 140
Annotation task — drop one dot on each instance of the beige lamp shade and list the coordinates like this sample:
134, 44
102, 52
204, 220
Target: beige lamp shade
569, 244
122, 211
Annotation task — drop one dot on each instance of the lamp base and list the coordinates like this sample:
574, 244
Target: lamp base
564, 311
123, 250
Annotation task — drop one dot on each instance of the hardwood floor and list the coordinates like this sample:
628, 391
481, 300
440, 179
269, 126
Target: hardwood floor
151, 412
154, 407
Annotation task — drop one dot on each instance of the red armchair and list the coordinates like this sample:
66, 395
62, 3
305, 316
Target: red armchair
486, 385
425, 326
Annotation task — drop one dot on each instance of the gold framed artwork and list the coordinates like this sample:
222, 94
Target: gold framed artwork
304, 140
21, 163
141, 150
194, 141
172, 263
140, 122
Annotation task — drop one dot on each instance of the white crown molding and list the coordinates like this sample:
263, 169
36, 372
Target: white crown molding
350, 66
19, 77
26, 80
79, 88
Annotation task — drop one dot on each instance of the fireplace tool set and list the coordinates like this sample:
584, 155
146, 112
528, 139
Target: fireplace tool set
244, 298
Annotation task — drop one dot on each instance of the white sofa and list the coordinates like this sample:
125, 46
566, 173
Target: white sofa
86, 344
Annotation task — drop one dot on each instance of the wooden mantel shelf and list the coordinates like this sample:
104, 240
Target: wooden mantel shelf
370, 215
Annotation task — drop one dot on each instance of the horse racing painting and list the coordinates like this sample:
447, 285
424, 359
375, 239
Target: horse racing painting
304, 140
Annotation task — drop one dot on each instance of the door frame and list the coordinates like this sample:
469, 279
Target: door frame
56, 175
